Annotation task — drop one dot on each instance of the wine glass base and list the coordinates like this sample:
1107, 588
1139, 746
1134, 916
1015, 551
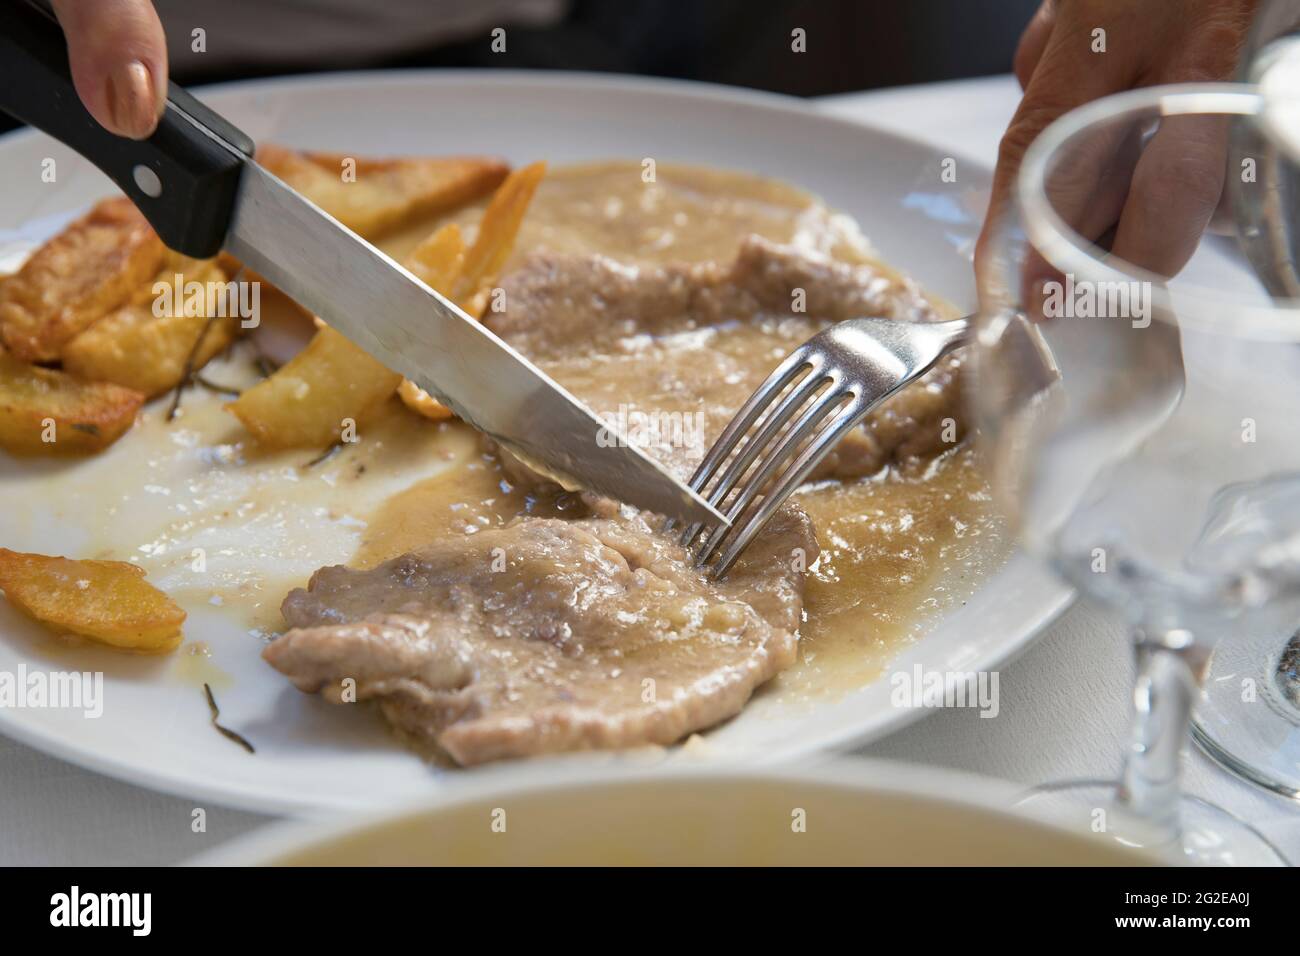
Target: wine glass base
1210, 836
1248, 719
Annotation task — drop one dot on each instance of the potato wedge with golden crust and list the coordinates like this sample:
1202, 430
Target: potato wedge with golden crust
45, 412
109, 601
132, 346
306, 402
495, 239
386, 193
438, 259
466, 276
90, 268
421, 402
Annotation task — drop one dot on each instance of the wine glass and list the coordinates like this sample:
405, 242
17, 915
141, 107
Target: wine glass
1143, 433
1262, 744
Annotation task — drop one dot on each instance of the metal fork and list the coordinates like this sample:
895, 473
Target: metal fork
840, 374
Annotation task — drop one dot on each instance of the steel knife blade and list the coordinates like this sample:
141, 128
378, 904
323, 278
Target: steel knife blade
412, 329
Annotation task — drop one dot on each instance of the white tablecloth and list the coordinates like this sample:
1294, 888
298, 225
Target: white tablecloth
1064, 702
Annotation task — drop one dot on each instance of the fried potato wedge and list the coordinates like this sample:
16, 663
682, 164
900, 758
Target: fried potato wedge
308, 401
385, 194
45, 412
109, 601
421, 402
495, 239
438, 259
466, 276
138, 349
76, 278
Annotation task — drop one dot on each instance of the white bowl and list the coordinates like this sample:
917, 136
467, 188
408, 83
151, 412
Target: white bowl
845, 813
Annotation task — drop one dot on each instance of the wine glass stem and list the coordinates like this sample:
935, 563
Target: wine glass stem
1168, 669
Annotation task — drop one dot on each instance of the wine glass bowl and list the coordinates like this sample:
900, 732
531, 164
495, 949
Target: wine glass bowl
1141, 424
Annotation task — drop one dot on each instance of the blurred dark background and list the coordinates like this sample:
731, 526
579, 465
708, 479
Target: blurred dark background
850, 44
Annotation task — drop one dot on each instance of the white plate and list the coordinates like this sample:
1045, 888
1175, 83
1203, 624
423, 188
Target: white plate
154, 729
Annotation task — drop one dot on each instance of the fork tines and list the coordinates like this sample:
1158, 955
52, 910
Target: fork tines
748, 490
830, 383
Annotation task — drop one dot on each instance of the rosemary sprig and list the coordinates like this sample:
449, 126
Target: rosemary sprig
323, 455
224, 731
265, 366
188, 371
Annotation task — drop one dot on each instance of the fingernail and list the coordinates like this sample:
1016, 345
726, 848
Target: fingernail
132, 100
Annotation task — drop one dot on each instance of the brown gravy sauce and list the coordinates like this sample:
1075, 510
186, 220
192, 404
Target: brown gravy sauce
687, 214
897, 549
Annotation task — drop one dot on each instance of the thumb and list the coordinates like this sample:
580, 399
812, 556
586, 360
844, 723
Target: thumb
118, 57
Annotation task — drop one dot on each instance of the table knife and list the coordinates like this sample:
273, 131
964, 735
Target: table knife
197, 182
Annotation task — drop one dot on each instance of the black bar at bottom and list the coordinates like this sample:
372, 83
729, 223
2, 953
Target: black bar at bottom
584, 908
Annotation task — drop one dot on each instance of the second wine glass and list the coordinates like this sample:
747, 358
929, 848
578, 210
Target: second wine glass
1142, 429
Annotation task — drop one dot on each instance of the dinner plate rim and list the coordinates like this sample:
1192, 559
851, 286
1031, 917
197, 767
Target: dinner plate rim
258, 800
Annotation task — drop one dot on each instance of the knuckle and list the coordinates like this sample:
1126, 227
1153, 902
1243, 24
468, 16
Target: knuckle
1030, 120
1213, 56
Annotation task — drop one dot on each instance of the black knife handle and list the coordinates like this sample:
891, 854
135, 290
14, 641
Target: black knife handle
184, 177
